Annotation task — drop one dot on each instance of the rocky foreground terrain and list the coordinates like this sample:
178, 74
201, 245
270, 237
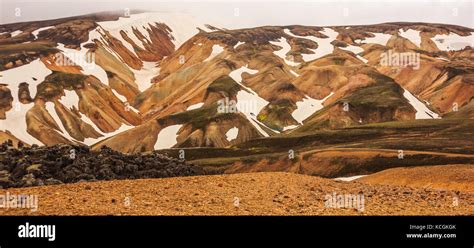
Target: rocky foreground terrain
37, 166
452, 177
266, 193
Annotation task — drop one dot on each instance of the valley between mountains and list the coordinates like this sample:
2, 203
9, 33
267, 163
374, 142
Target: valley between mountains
133, 105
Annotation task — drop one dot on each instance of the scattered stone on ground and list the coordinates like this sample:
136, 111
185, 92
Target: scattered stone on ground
266, 193
37, 166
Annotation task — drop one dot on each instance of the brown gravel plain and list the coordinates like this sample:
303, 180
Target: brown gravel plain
266, 193
443, 177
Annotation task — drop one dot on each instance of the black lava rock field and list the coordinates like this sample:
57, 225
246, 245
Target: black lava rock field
36, 166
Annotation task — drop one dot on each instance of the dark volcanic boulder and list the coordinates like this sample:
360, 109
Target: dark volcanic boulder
36, 166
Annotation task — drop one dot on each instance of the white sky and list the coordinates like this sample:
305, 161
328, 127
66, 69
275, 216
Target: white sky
258, 13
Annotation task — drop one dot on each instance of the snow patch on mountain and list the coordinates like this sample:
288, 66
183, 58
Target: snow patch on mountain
362, 59
244, 98
348, 179
232, 133
282, 42
290, 127
70, 99
308, 106
238, 44
248, 101
354, 49
80, 57
167, 137
216, 50
379, 38
37, 31
183, 26
422, 112
16, 117
411, 35
16, 33
294, 73
122, 98
144, 76
195, 106
324, 44
453, 41
237, 75
62, 131
127, 24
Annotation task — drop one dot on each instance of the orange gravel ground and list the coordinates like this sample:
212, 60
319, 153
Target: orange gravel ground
268, 193
448, 177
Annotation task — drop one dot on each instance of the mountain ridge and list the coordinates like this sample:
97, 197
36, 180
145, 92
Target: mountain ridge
317, 72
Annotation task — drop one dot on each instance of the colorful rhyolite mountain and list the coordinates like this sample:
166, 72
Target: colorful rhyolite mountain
165, 80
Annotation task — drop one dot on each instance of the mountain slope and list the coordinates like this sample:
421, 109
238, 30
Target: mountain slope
152, 80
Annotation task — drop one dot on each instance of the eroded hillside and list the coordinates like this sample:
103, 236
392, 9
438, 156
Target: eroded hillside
148, 81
